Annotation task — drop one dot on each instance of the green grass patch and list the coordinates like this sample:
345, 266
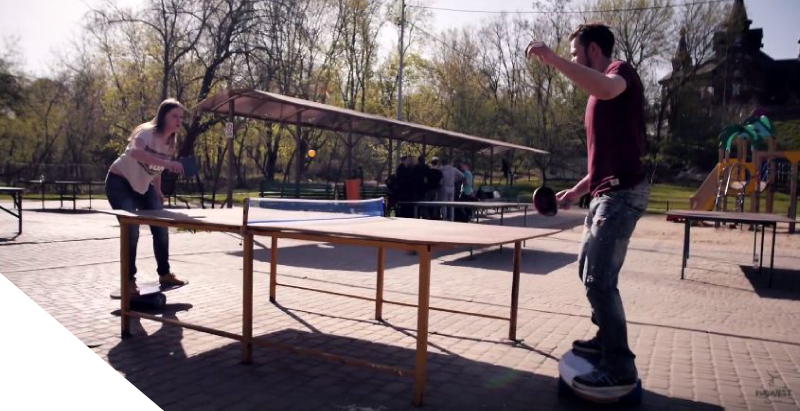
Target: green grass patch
665, 197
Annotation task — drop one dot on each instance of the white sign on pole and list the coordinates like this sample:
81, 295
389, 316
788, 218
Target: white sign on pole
229, 130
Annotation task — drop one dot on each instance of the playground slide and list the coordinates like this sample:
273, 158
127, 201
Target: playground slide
703, 198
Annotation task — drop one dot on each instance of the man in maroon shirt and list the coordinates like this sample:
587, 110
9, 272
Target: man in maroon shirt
616, 180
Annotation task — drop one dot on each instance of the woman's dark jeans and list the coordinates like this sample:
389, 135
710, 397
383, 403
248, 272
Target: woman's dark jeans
122, 197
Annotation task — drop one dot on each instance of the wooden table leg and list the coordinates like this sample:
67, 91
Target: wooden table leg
502, 212
247, 298
761, 259
772, 255
686, 228
525, 221
512, 329
124, 297
422, 322
273, 269
755, 240
379, 285
18, 198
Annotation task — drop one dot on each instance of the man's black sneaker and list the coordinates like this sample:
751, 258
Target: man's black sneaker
591, 346
601, 382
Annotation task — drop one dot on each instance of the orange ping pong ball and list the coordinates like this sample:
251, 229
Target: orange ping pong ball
312, 153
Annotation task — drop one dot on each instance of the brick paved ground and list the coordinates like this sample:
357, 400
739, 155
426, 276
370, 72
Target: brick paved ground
718, 339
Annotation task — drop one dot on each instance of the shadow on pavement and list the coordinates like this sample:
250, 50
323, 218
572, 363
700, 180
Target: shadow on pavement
533, 261
277, 380
167, 310
785, 282
62, 210
565, 221
365, 259
323, 256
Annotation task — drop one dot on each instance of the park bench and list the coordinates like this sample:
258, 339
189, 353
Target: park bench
373, 191
507, 193
182, 189
318, 191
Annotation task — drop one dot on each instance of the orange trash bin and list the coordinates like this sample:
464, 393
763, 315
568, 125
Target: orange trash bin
352, 189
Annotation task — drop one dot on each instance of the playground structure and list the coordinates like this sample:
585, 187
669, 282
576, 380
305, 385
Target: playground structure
739, 178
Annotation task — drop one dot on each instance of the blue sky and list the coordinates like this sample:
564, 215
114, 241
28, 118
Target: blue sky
780, 19
44, 27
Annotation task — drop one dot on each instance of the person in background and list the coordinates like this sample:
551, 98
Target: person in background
506, 168
447, 189
418, 176
404, 187
467, 187
133, 183
433, 181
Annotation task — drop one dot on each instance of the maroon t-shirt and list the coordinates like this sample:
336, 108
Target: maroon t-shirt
615, 134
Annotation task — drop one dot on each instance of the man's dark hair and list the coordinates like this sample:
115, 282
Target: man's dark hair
597, 33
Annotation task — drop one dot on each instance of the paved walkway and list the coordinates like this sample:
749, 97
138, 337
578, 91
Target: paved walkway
718, 339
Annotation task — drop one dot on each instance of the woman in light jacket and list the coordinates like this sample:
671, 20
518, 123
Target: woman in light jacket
134, 182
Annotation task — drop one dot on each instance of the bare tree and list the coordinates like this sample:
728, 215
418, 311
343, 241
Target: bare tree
177, 24
292, 51
226, 24
86, 126
10, 83
43, 105
643, 29
360, 22
697, 24
553, 117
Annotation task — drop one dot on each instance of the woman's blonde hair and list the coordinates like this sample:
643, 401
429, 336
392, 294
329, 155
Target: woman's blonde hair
158, 121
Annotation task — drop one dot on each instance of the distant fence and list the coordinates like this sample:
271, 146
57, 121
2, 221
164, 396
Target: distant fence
11, 173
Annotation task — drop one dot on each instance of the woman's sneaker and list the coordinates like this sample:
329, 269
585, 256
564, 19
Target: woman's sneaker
591, 346
169, 280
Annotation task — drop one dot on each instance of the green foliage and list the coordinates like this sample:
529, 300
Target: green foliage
787, 134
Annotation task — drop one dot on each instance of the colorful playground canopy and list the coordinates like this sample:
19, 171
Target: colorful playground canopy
755, 129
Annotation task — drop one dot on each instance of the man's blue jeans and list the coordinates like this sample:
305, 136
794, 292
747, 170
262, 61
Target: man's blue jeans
121, 196
607, 231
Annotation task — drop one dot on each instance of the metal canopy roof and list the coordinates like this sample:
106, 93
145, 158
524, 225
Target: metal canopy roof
278, 108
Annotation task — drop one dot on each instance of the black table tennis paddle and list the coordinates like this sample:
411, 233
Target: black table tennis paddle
544, 200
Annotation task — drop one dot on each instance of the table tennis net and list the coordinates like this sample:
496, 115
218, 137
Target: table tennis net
277, 210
